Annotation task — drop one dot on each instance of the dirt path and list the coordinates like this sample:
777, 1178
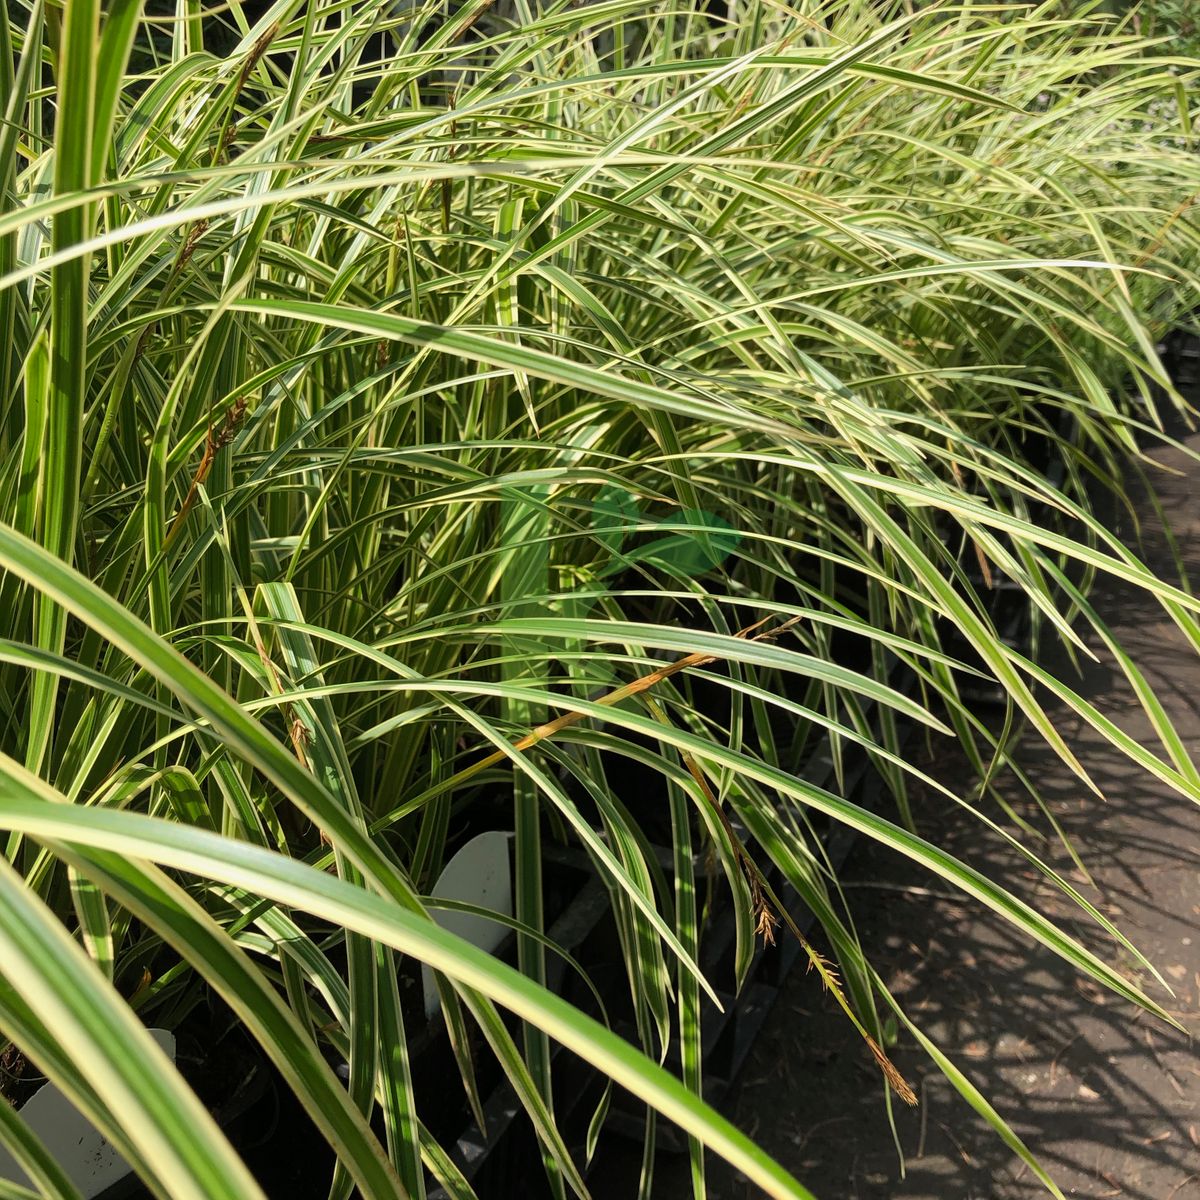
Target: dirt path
1108, 1098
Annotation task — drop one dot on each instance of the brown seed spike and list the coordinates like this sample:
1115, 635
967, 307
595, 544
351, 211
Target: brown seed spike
767, 921
899, 1084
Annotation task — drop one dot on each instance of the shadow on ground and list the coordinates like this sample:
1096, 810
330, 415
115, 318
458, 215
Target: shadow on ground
1106, 1096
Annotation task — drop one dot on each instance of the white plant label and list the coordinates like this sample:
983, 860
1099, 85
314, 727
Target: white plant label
86, 1156
478, 874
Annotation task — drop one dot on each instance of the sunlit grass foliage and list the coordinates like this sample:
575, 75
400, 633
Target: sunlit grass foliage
384, 383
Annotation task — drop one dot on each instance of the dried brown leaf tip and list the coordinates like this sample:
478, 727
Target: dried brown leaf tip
985, 568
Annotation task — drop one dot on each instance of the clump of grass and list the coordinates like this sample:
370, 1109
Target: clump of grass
389, 393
